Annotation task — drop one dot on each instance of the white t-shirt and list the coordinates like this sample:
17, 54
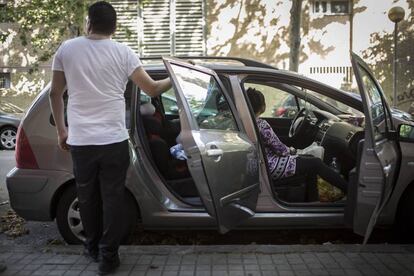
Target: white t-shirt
96, 74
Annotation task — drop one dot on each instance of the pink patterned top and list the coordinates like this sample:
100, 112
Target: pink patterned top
281, 164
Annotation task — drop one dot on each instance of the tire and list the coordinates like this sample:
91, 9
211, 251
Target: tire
68, 217
69, 222
8, 138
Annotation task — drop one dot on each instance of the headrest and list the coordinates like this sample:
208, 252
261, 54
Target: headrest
147, 109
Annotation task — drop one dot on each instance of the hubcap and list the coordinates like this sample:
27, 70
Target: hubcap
8, 138
74, 220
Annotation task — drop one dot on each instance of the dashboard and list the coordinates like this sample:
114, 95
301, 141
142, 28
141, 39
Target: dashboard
339, 138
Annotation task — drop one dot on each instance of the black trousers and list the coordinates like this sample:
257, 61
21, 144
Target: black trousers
100, 172
306, 164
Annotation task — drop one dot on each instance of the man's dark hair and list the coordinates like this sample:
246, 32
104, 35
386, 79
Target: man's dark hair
257, 100
102, 18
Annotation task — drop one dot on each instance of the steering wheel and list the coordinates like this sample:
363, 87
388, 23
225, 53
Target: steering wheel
300, 123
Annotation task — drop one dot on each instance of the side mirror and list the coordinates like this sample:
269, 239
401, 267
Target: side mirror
173, 109
406, 133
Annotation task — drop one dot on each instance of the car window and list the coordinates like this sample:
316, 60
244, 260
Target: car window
169, 102
308, 105
375, 101
144, 98
205, 98
279, 103
341, 107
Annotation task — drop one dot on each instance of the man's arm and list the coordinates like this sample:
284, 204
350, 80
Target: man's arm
57, 106
152, 87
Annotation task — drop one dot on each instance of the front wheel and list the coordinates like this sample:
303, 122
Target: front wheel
70, 224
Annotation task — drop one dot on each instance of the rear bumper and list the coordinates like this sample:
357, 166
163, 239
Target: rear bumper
31, 192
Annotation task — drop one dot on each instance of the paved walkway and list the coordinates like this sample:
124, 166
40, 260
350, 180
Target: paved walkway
218, 260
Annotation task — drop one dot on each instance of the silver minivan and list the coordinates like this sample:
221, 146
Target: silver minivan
224, 182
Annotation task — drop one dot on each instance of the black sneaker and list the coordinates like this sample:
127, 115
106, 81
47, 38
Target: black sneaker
91, 254
107, 267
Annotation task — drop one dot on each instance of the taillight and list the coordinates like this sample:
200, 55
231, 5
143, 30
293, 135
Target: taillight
25, 158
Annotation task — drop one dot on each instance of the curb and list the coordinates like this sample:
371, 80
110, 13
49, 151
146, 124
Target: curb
236, 249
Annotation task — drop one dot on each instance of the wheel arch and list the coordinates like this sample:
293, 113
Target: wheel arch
57, 195
8, 125
59, 192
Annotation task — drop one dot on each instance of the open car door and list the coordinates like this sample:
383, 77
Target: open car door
380, 156
222, 160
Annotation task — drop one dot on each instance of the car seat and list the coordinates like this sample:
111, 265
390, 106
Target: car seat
170, 128
169, 167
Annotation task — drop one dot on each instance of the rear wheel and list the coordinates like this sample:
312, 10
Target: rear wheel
70, 224
8, 138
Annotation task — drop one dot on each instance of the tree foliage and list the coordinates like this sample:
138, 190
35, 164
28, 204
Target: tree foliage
380, 56
43, 24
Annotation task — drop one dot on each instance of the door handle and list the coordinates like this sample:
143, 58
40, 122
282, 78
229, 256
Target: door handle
214, 152
387, 170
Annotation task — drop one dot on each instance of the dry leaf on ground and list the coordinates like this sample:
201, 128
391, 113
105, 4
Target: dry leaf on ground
12, 225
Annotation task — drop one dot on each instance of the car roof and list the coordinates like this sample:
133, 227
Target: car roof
290, 77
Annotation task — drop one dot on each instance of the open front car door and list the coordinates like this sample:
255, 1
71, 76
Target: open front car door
380, 155
222, 160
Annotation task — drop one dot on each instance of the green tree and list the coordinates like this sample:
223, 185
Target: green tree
380, 56
43, 24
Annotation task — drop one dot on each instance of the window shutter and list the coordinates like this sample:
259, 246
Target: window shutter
127, 25
173, 27
189, 27
157, 34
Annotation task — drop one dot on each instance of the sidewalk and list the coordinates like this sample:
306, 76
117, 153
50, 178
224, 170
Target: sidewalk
246, 260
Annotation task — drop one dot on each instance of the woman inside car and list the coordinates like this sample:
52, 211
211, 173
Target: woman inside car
283, 162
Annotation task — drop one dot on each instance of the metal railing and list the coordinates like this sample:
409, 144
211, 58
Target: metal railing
344, 70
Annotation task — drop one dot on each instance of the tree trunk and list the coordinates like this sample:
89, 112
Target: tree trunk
295, 23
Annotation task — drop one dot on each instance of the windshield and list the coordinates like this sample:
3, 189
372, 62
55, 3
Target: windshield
374, 97
341, 107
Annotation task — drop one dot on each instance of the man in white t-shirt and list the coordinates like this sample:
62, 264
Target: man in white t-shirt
95, 70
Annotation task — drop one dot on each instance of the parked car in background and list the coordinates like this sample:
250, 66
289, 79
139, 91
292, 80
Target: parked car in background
10, 116
286, 108
224, 183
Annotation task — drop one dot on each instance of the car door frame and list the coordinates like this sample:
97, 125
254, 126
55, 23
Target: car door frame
371, 196
267, 202
240, 203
